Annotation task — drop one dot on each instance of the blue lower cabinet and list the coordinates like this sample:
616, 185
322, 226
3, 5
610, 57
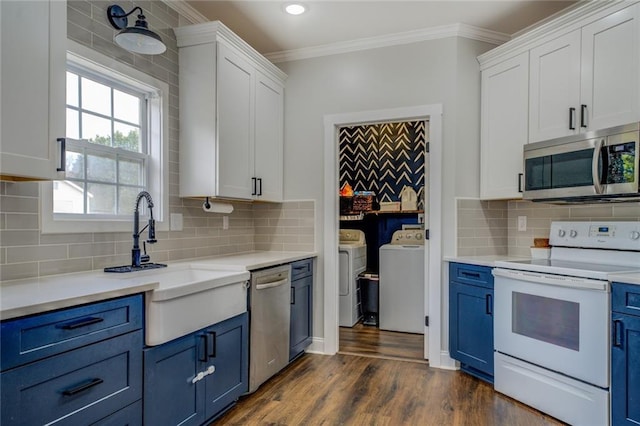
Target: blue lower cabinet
128, 416
193, 379
76, 387
471, 321
625, 355
301, 325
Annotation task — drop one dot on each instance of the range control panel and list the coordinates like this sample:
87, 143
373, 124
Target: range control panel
609, 235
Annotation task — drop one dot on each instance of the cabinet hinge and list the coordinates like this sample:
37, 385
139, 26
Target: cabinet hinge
426, 321
427, 146
426, 234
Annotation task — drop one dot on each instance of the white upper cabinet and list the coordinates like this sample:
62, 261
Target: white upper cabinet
235, 148
587, 79
231, 117
554, 84
32, 90
269, 139
505, 103
611, 70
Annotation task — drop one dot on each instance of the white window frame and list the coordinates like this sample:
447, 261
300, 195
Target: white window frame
157, 128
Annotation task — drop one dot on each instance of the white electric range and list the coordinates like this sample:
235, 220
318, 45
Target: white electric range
551, 321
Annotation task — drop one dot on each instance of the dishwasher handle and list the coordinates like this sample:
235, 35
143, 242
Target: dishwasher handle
272, 284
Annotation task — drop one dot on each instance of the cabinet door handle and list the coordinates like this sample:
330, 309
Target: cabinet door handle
82, 387
82, 322
572, 115
254, 186
293, 295
213, 345
583, 116
617, 333
63, 154
520, 176
202, 350
488, 302
260, 182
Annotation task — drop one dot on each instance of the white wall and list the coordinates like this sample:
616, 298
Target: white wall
422, 73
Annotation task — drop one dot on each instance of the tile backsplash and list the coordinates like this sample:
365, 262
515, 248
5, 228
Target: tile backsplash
25, 252
539, 217
491, 227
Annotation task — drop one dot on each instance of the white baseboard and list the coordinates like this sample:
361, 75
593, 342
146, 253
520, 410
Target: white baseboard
317, 346
446, 362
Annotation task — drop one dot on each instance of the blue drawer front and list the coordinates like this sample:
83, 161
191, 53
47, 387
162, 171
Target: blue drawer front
301, 268
625, 298
77, 387
128, 416
32, 338
471, 274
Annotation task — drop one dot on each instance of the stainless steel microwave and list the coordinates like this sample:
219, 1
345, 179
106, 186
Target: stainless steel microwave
597, 166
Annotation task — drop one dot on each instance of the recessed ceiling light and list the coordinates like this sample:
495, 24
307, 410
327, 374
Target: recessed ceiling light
295, 8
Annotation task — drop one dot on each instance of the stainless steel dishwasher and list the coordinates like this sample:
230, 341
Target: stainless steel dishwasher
270, 307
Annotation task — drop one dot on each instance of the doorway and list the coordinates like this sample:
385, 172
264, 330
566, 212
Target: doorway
432, 253
381, 175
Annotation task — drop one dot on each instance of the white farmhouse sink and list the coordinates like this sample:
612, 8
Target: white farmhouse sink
190, 297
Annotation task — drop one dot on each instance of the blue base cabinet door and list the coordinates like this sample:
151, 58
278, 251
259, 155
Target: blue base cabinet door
193, 379
301, 325
170, 395
625, 355
228, 353
471, 319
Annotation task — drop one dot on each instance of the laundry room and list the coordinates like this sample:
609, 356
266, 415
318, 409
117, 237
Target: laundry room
382, 237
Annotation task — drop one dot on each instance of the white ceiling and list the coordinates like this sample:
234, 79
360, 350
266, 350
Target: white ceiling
268, 29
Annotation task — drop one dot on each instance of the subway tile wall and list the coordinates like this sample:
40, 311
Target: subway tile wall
491, 227
482, 227
539, 217
25, 252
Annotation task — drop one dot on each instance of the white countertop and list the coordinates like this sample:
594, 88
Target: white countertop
489, 260
35, 295
628, 278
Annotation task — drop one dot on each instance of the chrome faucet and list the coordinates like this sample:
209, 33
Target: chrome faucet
136, 257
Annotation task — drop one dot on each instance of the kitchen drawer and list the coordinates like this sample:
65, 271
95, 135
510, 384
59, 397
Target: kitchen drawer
471, 274
128, 416
81, 386
625, 298
39, 336
301, 268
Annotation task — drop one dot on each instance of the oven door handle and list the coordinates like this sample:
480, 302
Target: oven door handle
556, 280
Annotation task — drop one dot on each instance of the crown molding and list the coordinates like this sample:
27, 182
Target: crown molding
186, 10
433, 33
565, 21
215, 31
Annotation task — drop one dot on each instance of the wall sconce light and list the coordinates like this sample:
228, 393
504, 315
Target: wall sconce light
136, 39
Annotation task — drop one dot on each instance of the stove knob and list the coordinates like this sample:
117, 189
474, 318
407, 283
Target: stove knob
634, 235
573, 233
561, 232
418, 236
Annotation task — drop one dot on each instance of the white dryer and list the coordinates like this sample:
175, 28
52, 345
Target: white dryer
352, 255
402, 283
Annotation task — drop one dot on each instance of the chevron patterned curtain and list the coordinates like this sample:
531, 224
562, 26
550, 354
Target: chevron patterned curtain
383, 158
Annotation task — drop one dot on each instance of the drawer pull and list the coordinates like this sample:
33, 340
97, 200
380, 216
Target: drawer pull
475, 275
83, 322
82, 387
300, 268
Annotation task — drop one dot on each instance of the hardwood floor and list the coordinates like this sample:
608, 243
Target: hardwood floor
371, 341
355, 390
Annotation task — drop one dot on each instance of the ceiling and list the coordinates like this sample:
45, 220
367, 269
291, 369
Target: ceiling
268, 29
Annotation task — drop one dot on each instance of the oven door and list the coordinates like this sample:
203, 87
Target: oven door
556, 322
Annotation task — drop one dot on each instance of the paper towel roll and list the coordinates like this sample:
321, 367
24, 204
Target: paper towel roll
215, 207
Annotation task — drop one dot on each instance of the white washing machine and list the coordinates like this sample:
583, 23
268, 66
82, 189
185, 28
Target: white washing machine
402, 283
352, 255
